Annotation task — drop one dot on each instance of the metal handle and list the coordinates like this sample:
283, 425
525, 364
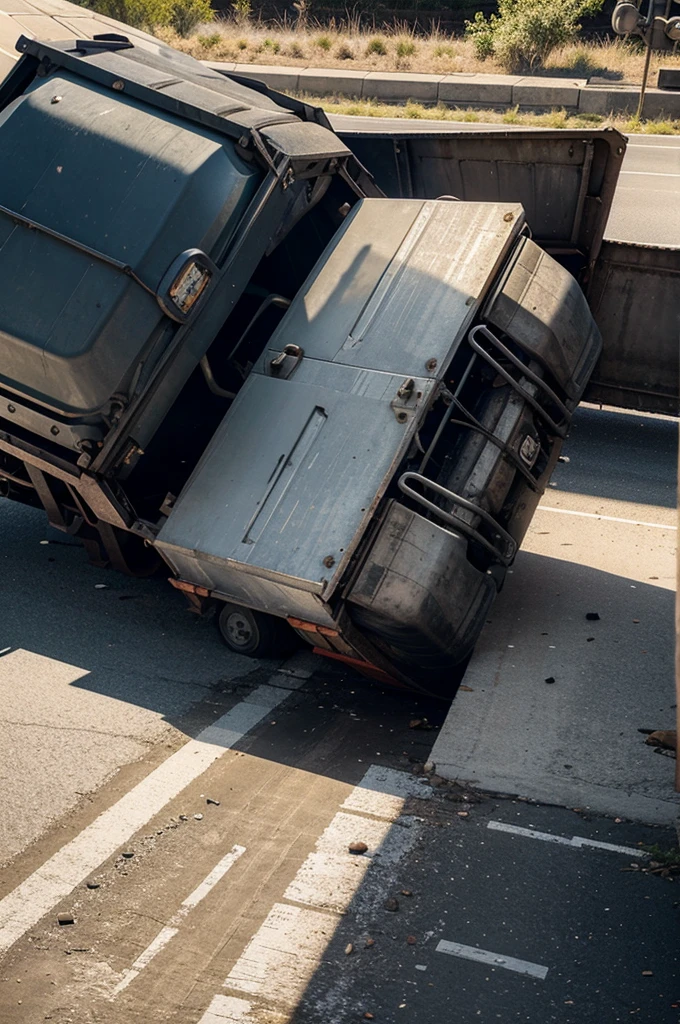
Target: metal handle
529, 374
505, 557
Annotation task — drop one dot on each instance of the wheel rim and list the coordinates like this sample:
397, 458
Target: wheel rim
238, 630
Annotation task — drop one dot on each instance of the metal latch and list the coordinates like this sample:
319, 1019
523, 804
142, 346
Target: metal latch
406, 400
286, 362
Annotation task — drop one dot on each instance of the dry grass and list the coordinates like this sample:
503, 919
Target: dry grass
553, 119
398, 49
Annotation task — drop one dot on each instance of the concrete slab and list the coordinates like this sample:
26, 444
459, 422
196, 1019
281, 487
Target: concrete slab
547, 92
285, 79
39, 26
81, 28
9, 33
487, 89
332, 82
52, 7
383, 86
555, 701
611, 99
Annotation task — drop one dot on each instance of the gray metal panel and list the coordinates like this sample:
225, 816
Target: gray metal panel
564, 179
401, 284
293, 474
635, 298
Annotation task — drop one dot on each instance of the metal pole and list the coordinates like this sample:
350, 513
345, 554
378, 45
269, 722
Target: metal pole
645, 76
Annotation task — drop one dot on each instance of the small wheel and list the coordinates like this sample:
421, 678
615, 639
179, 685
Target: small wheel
255, 634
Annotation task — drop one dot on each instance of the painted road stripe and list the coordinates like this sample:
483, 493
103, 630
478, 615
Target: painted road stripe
576, 841
42, 891
228, 1010
484, 956
166, 934
281, 958
610, 519
654, 174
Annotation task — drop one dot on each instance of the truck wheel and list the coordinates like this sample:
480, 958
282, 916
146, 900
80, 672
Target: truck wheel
255, 634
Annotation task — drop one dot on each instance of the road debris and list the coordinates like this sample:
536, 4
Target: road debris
369, 942
349, 948
128, 854
198, 817
420, 723
550, 679
411, 939
357, 847
592, 617
93, 885
209, 800
66, 918
391, 904
665, 738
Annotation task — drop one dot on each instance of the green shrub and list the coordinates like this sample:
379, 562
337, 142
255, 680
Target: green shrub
376, 46
295, 50
242, 10
187, 15
324, 43
405, 48
242, 44
147, 14
481, 32
209, 42
525, 32
271, 44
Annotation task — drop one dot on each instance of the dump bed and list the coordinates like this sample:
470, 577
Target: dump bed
291, 479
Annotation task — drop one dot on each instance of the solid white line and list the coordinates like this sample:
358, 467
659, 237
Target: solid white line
284, 954
484, 956
42, 891
610, 519
654, 174
575, 842
166, 934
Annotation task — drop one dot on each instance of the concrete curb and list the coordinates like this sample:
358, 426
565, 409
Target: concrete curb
576, 95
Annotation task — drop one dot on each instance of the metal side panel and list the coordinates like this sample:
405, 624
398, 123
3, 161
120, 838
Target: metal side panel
635, 297
564, 179
292, 476
400, 284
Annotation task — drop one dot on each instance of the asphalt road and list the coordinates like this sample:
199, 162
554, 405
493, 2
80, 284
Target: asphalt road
645, 208
191, 811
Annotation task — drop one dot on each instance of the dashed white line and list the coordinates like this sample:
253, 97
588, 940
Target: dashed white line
42, 891
485, 956
170, 930
576, 842
611, 519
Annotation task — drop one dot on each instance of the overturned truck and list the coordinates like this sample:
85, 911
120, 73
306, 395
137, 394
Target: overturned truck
329, 412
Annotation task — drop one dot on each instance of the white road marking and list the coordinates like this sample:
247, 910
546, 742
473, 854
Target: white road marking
228, 1010
576, 842
654, 174
484, 956
382, 792
42, 891
170, 930
611, 519
283, 955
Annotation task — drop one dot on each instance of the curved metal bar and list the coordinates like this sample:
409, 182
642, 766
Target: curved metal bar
456, 499
529, 374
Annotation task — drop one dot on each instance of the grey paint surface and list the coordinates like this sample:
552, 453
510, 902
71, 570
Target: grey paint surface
575, 740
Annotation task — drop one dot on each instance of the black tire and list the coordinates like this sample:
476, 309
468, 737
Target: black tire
255, 634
